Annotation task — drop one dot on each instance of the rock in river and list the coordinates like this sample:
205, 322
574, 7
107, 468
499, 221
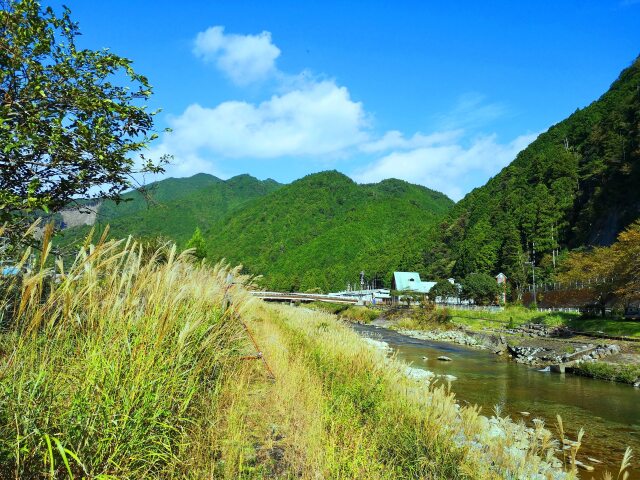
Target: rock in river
418, 373
443, 358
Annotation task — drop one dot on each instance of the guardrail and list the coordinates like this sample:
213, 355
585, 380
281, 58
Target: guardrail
301, 297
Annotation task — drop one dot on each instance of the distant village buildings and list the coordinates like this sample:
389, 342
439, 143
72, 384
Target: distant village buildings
410, 282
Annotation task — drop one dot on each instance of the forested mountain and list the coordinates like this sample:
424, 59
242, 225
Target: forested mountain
174, 207
322, 230
577, 185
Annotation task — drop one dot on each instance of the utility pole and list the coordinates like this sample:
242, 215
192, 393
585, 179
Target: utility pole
533, 267
553, 246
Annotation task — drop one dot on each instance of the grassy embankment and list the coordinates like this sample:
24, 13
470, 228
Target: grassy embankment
477, 320
615, 372
131, 367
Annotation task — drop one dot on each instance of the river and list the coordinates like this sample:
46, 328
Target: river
609, 412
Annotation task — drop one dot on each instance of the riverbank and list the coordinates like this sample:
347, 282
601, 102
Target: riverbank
546, 342
615, 372
578, 355
607, 411
402, 424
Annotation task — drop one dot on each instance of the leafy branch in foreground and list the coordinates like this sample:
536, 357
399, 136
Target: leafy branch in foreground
70, 119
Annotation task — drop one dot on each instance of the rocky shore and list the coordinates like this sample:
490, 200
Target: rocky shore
494, 428
453, 336
532, 344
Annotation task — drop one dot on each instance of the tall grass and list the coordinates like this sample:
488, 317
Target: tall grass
112, 366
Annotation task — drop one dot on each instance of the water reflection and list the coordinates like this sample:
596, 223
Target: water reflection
609, 412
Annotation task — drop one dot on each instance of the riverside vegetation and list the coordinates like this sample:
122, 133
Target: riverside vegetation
132, 363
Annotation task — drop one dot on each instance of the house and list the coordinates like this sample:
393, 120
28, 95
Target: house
501, 278
632, 311
410, 281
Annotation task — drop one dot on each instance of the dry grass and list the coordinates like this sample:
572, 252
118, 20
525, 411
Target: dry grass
351, 413
114, 366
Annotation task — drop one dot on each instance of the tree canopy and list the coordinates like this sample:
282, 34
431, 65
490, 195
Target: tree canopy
322, 230
71, 119
443, 290
611, 271
481, 288
198, 244
576, 185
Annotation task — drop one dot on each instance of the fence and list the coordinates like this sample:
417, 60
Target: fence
576, 285
463, 306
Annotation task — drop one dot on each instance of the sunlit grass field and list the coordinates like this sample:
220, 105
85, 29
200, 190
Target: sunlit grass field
139, 364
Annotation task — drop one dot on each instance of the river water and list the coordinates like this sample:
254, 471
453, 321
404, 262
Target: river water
609, 412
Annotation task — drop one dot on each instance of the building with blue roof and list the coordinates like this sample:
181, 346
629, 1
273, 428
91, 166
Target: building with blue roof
410, 281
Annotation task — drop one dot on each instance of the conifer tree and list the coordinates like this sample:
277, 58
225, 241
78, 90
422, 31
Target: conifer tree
198, 244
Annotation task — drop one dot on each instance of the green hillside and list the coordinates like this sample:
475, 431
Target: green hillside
322, 230
174, 207
578, 184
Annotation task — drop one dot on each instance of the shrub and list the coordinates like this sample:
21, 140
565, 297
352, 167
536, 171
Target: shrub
359, 314
427, 315
481, 288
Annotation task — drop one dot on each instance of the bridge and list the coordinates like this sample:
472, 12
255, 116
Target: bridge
301, 297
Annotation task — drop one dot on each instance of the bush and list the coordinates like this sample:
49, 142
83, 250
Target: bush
359, 314
427, 315
481, 288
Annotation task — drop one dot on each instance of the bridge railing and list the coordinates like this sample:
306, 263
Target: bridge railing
301, 296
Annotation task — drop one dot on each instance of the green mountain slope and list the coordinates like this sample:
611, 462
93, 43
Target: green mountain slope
174, 207
578, 184
322, 230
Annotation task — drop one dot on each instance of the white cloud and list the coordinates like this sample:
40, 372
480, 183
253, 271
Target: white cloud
310, 117
395, 140
319, 120
244, 58
470, 112
446, 166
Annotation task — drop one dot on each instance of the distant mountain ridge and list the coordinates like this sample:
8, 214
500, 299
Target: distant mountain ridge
578, 184
322, 230
174, 207
318, 232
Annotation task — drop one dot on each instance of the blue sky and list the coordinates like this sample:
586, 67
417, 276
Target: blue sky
442, 94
